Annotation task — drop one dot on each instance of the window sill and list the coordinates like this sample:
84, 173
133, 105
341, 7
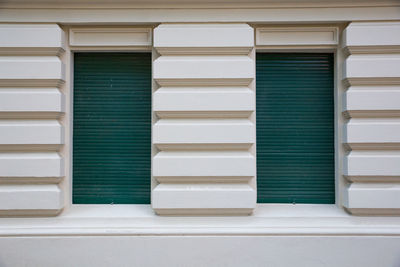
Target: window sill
262, 211
268, 219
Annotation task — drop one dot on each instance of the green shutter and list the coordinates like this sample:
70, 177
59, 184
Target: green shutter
112, 128
295, 128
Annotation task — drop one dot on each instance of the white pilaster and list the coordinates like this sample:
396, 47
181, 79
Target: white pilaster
372, 73
204, 132
31, 104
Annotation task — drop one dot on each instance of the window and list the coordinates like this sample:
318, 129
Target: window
111, 128
295, 128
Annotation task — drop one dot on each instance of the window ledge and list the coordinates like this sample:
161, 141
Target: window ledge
262, 211
268, 219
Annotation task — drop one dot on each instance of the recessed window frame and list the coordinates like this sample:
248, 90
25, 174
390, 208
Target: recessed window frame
302, 44
290, 195
126, 60
126, 44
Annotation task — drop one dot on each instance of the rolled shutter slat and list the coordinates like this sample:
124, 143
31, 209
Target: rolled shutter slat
295, 128
112, 128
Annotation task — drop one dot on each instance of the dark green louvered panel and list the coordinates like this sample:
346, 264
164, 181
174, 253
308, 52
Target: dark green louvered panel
112, 128
295, 128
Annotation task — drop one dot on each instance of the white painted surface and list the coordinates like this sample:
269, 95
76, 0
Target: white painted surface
198, 3
375, 163
21, 164
180, 131
363, 131
25, 132
200, 70
27, 199
312, 251
26, 100
372, 70
31, 70
204, 132
295, 12
373, 196
121, 234
267, 219
204, 163
364, 36
204, 196
267, 237
109, 36
31, 36
372, 99
372, 66
203, 36
31, 104
296, 35
204, 99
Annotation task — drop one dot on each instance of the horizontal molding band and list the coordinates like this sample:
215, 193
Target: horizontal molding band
203, 179
202, 146
373, 212
296, 35
373, 179
139, 220
30, 180
375, 49
373, 146
30, 213
31, 115
110, 36
120, 4
364, 229
202, 114
371, 81
371, 113
32, 82
204, 12
203, 51
207, 114
203, 82
75, 229
30, 147
204, 212
31, 51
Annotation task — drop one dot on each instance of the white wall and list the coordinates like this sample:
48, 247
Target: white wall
203, 101
372, 103
31, 104
205, 128
327, 251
